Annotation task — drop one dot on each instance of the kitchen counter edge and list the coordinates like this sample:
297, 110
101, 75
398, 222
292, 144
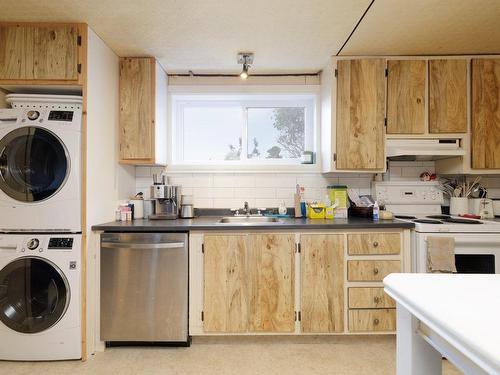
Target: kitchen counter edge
210, 224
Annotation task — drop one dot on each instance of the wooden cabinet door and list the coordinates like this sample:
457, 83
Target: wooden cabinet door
448, 96
485, 125
406, 96
322, 283
39, 52
137, 77
271, 282
373, 243
225, 292
55, 52
360, 114
13, 52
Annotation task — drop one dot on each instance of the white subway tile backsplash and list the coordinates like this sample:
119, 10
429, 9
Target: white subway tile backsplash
143, 172
224, 180
230, 190
244, 193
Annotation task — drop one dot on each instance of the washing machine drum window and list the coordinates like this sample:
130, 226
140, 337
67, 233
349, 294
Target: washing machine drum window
34, 295
34, 164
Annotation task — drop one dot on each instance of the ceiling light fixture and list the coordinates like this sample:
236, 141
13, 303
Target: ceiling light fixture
245, 58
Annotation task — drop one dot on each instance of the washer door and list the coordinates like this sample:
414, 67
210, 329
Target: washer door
34, 295
34, 164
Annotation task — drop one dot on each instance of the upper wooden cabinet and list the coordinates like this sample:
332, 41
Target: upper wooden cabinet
406, 96
42, 53
143, 102
360, 114
448, 96
485, 125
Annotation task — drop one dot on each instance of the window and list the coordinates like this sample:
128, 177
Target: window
235, 130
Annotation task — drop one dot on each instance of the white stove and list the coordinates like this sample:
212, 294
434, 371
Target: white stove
477, 242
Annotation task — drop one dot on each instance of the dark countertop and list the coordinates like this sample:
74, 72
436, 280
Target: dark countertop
210, 223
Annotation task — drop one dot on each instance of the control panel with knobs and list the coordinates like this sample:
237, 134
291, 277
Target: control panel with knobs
33, 244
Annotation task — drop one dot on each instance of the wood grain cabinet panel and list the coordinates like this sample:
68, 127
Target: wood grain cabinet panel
137, 77
406, 96
360, 114
55, 52
448, 96
371, 270
369, 298
368, 320
374, 243
39, 52
225, 292
322, 283
271, 282
485, 125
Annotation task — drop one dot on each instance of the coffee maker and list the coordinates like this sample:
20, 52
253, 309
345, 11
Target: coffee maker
167, 201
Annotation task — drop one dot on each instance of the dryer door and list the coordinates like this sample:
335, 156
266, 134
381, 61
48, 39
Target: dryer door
34, 164
34, 295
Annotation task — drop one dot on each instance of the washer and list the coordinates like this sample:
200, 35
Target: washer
40, 157
40, 297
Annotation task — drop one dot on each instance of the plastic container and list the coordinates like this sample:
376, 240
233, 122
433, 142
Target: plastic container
376, 212
316, 211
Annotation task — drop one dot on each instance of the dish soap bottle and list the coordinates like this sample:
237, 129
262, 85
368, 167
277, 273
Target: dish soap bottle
376, 211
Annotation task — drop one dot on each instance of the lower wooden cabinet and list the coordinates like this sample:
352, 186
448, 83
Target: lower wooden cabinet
225, 287
371, 270
249, 283
369, 320
322, 283
271, 282
369, 298
293, 283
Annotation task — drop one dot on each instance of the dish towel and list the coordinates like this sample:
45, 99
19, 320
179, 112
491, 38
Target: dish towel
441, 254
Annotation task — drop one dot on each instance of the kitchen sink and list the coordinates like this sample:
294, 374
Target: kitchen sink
248, 220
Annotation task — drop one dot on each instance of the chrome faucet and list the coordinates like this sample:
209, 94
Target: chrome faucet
246, 208
246, 211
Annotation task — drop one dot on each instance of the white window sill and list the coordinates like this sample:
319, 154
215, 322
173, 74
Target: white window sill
276, 169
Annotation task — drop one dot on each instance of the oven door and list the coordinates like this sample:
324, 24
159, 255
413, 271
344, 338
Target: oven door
34, 164
474, 252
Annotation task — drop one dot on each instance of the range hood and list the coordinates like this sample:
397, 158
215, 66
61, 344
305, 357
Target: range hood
423, 149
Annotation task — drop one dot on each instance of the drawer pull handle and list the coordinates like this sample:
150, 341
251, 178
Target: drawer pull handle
376, 299
376, 322
375, 271
375, 244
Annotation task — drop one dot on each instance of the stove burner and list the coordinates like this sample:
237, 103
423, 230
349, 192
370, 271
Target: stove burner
427, 221
404, 217
462, 221
441, 217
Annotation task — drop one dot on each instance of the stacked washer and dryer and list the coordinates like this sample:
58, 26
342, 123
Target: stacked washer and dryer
40, 227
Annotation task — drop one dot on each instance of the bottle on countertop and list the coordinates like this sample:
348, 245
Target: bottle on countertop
376, 211
282, 208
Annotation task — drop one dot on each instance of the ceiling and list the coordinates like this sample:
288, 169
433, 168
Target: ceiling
428, 27
206, 35
287, 36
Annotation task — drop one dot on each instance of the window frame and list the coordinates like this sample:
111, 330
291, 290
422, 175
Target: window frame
256, 97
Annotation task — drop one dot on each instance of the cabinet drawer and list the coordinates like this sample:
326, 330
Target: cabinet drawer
374, 243
371, 270
372, 320
369, 298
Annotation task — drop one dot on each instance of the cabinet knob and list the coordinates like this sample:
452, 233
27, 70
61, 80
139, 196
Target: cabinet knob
375, 271
376, 322
375, 244
376, 299
419, 100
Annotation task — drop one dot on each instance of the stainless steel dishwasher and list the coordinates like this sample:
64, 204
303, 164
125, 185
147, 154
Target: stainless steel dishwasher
144, 288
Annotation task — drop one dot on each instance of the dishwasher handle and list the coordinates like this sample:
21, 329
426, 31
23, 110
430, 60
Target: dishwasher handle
129, 245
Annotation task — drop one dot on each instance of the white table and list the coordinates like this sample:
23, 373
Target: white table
455, 316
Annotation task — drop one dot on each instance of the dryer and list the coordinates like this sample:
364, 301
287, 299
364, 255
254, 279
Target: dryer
40, 297
40, 164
